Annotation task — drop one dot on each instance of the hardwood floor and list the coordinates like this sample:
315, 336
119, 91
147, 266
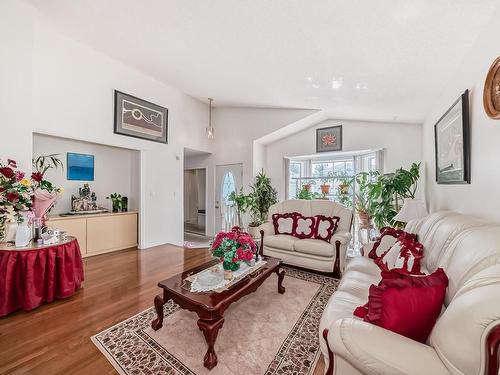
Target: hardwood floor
55, 338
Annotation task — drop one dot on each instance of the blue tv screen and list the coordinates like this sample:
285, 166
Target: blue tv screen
80, 167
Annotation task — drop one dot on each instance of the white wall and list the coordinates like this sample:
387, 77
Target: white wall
481, 197
16, 45
115, 170
58, 86
401, 144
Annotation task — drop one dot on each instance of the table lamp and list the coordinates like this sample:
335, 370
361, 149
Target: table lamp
412, 209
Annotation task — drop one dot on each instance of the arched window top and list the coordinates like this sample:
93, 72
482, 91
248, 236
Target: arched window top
228, 186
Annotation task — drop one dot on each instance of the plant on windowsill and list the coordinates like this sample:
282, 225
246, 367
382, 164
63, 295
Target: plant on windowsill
306, 194
308, 185
263, 196
325, 186
344, 190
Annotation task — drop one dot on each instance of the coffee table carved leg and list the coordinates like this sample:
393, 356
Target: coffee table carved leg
210, 330
158, 322
281, 276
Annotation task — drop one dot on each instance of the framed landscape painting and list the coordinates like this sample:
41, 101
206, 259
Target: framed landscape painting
329, 139
80, 167
452, 143
139, 118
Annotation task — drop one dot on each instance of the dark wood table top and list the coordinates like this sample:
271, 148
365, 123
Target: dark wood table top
178, 288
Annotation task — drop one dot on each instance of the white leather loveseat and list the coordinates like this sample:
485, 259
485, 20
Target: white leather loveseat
466, 337
310, 253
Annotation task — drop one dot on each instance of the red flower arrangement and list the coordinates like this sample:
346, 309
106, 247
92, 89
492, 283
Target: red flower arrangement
233, 248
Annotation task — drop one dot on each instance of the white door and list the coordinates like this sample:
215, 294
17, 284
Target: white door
228, 178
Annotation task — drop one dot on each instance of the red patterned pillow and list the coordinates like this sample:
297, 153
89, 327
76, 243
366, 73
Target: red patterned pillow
388, 237
305, 226
325, 227
406, 305
284, 223
405, 255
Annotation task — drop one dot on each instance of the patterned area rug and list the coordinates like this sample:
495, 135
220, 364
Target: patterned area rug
263, 333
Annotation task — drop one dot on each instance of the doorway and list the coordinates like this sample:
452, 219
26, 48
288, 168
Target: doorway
195, 188
228, 178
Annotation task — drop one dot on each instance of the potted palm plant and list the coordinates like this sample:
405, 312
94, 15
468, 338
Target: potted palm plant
263, 196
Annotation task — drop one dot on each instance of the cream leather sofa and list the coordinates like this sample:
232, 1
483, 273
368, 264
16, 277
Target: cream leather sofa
313, 254
468, 249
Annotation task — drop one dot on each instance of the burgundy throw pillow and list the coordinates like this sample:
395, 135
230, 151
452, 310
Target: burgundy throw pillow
407, 305
325, 227
284, 223
305, 226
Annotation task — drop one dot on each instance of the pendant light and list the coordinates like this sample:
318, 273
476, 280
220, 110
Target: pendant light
210, 129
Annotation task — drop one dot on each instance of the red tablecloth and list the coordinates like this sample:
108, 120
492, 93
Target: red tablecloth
29, 278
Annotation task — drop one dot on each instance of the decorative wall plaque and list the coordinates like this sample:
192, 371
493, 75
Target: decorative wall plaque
491, 94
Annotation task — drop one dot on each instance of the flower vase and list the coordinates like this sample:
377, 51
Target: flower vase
10, 232
23, 233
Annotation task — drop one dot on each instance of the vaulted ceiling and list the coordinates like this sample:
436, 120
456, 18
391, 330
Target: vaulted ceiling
363, 59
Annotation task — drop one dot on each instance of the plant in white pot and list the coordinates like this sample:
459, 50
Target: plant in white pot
263, 196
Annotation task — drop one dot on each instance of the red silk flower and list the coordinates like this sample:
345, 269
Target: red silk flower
7, 172
37, 176
12, 196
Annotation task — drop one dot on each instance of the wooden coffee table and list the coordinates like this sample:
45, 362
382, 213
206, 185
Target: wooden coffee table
210, 306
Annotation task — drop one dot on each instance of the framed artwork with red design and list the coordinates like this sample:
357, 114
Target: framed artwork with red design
329, 139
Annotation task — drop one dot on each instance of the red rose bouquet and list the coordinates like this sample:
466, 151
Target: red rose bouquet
233, 247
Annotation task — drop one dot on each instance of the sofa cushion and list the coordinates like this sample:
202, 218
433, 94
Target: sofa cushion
284, 223
305, 226
407, 305
362, 264
314, 247
281, 241
325, 227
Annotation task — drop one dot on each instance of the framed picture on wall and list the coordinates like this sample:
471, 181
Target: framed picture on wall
329, 139
452, 143
139, 118
80, 167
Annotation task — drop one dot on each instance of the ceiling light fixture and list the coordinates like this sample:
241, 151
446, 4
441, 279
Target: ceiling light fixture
210, 129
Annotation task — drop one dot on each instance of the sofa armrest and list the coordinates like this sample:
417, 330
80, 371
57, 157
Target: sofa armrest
343, 237
268, 228
375, 350
366, 248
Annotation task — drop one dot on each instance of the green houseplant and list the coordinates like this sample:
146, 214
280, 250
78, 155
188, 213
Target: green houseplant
389, 192
242, 203
116, 201
325, 186
306, 194
263, 196
364, 202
